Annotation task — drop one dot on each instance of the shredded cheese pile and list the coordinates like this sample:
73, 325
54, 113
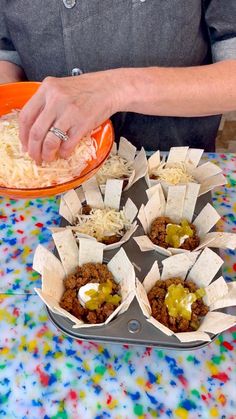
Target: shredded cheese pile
115, 167
174, 174
102, 223
18, 170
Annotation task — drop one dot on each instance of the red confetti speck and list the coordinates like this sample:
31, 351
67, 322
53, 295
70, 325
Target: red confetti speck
221, 376
39, 225
44, 378
20, 231
203, 397
234, 267
42, 331
16, 312
22, 217
227, 345
109, 399
147, 351
3, 217
73, 395
183, 380
148, 384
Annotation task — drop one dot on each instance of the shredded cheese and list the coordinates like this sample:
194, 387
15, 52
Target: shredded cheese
115, 167
102, 223
174, 174
18, 170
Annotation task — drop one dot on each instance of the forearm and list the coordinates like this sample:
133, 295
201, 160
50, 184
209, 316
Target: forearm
10, 72
192, 91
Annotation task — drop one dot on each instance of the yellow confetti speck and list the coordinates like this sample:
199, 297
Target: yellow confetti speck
97, 378
46, 348
140, 381
111, 372
32, 345
113, 404
86, 366
7, 317
181, 413
82, 394
57, 355
4, 351
214, 412
159, 377
212, 368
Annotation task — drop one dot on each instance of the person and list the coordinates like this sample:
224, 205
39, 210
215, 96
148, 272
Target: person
164, 71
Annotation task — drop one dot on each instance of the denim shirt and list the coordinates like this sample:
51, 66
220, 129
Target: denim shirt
54, 37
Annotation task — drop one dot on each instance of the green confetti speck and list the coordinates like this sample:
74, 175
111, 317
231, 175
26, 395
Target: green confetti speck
216, 359
195, 393
160, 354
60, 415
69, 365
58, 374
127, 356
100, 369
138, 409
220, 339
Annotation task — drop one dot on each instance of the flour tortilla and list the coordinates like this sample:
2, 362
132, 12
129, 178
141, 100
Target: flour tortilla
89, 251
218, 293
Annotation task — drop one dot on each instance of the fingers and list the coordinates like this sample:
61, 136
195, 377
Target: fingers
67, 104
67, 147
28, 115
38, 134
51, 143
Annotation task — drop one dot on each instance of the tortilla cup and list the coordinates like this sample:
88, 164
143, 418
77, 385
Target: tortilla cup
208, 175
71, 205
200, 268
180, 205
138, 162
54, 271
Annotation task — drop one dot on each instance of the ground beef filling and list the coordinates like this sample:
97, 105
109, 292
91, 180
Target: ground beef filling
160, 312
86, 209
158, 234
88, 273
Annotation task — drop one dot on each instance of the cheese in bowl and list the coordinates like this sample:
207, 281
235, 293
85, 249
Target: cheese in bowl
18, 170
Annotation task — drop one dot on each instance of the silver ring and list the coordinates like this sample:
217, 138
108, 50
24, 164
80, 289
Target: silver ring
59, 133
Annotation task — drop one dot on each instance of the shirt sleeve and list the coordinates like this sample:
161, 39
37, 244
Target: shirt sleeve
7, 49
221, 21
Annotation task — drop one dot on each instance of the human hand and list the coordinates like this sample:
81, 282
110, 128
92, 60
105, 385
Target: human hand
75, 105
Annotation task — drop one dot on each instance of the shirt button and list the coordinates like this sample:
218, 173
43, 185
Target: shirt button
76, 72
69, 3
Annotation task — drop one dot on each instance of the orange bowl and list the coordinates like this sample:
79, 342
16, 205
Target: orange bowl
14, 96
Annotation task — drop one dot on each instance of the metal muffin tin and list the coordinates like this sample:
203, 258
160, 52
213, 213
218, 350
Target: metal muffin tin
131, 327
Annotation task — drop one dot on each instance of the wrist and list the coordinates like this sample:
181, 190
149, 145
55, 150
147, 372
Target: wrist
123, 89
133, 89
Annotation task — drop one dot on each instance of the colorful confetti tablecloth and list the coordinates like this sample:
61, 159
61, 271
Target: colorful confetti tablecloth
44, 374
